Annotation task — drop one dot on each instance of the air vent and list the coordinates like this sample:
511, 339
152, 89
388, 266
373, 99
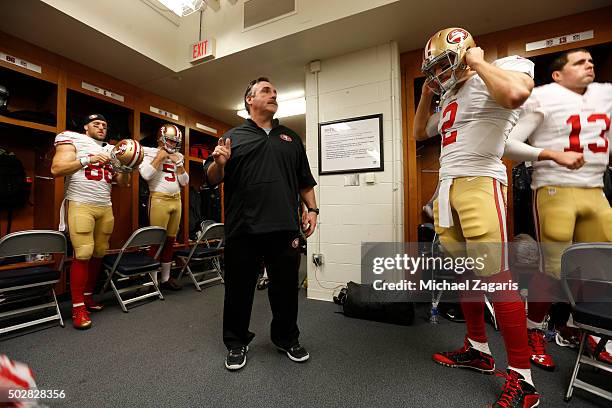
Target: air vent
257, 12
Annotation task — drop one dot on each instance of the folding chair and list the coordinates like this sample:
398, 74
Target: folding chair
204, 251
128, 265
18, 286
586, 278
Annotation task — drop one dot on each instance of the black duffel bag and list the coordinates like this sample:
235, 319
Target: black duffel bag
364, 302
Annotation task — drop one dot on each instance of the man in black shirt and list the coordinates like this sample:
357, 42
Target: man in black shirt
265, 170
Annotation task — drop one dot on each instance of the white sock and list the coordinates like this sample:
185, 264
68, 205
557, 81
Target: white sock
534, 325
165, 271
265, 273
525, 372
482, 347
570, 322
78, 304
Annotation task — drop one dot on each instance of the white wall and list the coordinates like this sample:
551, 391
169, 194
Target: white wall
362, 83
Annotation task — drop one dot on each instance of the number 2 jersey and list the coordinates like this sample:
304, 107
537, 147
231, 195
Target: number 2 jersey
91, 184
474, 127
572, 122
164, 181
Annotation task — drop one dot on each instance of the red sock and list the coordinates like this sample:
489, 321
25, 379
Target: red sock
94, 274
543, 290
168, 250
153, 250
78, 279
472, 305
512, 322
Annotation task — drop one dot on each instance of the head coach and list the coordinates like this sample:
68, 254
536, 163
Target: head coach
265, 170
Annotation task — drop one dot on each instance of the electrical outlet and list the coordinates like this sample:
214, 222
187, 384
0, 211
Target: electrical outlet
317, 259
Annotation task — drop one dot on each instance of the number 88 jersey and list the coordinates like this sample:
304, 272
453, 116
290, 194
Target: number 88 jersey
91, 184
572, 122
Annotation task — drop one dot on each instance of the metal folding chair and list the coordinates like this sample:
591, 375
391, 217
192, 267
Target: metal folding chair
208, 249
128, 265
586, 278
26, 285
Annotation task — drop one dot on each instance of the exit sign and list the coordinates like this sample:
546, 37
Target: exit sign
202, 51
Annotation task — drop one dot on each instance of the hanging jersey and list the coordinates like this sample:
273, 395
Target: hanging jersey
165, 180
474, 127
91, 184
572, 122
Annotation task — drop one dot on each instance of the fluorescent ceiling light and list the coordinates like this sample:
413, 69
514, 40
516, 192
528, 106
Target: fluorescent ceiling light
286, 108
182, 8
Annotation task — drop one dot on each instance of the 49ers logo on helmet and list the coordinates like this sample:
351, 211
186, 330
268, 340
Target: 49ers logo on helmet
456, 36
121, 148
128, 153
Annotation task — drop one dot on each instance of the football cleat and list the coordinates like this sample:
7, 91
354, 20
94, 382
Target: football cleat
603, 356
517, 393
92, 305
467, 357
537, 345
80, 318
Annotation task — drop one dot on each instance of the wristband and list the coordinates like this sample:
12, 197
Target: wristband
85, 161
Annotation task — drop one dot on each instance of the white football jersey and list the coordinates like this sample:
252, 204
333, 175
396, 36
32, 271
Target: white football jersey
474, 127
91, 184
165, 180
572, 122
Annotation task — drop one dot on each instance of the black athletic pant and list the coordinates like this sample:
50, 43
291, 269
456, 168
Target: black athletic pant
281, 255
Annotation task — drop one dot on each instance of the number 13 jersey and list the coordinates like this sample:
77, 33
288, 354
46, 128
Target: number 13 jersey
91, 184
474, 127
572, 122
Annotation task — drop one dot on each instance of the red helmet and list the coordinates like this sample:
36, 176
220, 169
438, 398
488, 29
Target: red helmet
170, 137
126, 155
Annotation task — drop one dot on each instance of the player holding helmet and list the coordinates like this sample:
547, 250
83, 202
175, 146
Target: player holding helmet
163, 169
478, 109
85, 162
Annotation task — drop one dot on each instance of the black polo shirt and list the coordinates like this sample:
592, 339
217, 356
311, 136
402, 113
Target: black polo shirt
263, 178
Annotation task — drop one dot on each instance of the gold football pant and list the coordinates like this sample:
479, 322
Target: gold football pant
478, 206
569, 214
90, 228
165, 211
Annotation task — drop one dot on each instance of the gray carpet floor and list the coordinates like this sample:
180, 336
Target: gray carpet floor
170, 354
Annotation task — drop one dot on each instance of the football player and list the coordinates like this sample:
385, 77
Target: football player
163, 169
84, 161
479, 102
567, 125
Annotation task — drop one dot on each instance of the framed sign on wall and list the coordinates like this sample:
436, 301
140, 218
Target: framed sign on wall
351, 145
